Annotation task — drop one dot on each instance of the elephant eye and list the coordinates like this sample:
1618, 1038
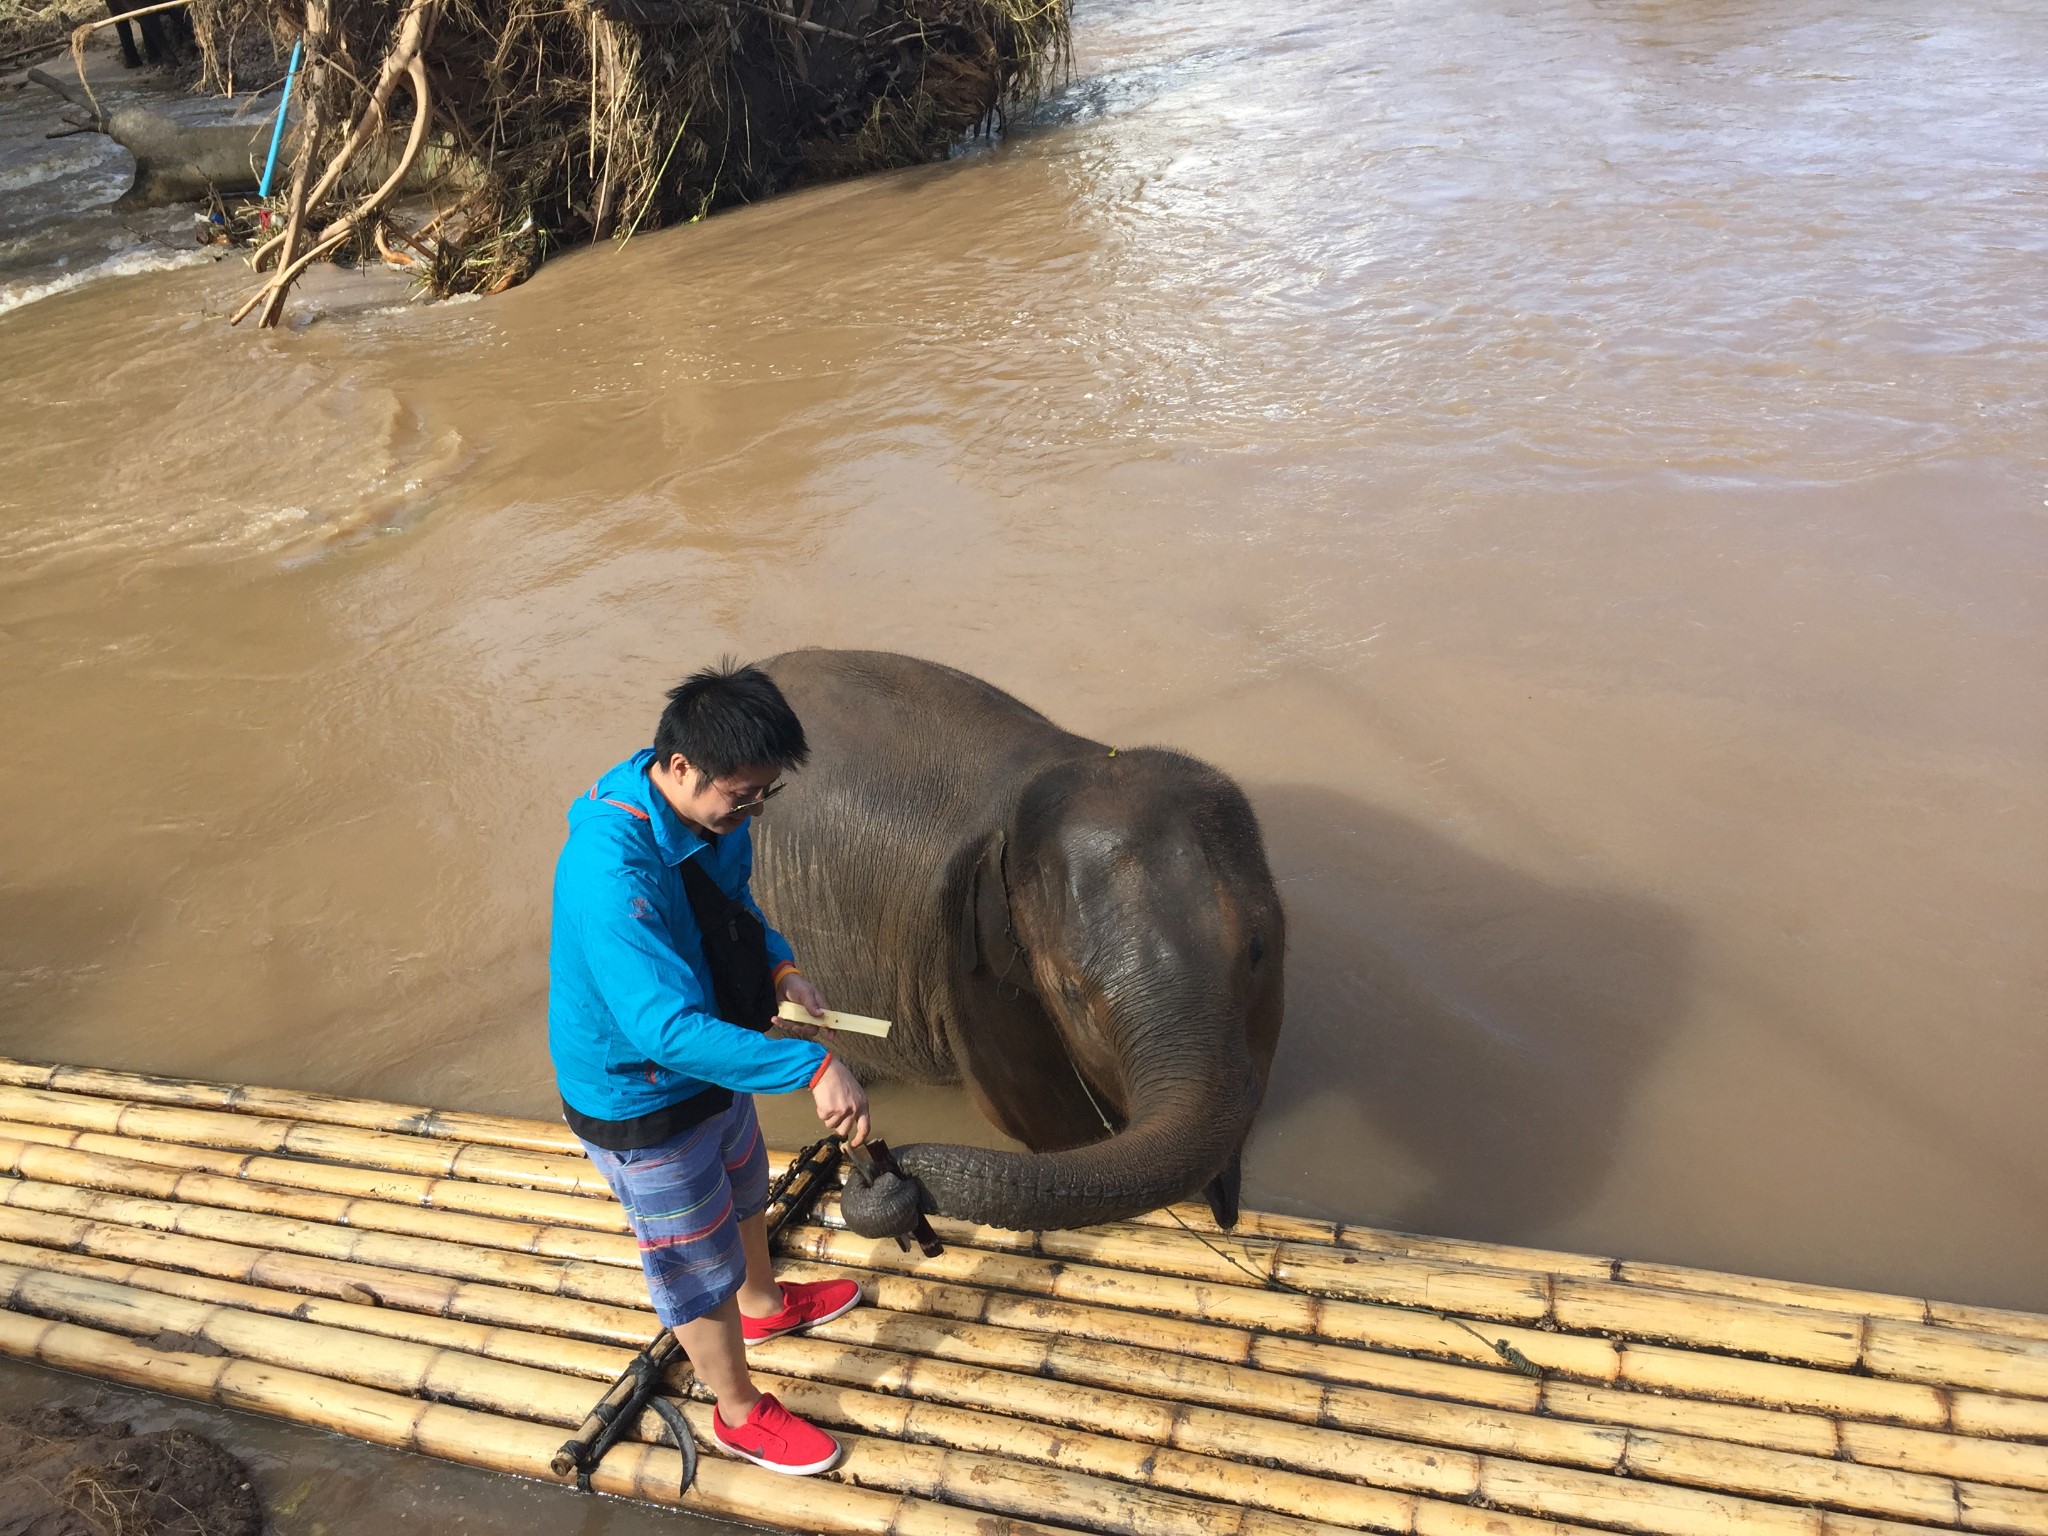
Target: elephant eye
1258, 949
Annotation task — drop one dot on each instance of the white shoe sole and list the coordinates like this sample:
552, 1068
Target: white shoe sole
812, 1470
800, 1327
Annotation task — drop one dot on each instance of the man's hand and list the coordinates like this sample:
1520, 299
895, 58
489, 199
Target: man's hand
795, 987
842, 1103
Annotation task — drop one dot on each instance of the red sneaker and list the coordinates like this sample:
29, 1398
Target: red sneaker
777, 1439
818, 1301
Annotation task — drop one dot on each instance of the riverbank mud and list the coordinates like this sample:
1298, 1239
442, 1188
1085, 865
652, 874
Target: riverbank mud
65, 1473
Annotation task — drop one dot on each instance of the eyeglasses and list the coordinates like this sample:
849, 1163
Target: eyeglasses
753, 803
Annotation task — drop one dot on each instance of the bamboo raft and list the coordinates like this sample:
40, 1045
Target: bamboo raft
463, 1286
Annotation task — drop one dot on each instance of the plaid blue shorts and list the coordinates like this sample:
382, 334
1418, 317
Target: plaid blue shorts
686, 1199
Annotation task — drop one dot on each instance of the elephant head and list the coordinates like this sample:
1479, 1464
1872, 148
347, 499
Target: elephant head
1122, 940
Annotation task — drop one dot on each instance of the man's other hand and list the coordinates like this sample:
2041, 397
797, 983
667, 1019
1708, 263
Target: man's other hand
842, 1103
795, 987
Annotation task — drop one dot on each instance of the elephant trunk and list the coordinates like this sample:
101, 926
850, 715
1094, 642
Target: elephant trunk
1184, 1131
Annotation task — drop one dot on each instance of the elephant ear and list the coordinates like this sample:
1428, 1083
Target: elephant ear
1009, 1052
988, 936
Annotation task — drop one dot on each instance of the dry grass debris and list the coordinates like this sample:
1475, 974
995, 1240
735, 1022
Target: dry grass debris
540, 124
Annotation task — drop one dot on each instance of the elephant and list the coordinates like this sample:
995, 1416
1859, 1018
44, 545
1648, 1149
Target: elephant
1087, 938
167, 36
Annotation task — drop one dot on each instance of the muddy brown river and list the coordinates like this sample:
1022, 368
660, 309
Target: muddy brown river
1582, 466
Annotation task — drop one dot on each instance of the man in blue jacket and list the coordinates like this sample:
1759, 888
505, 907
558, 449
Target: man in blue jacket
662, 977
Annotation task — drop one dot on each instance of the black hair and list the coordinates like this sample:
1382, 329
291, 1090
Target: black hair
729, 717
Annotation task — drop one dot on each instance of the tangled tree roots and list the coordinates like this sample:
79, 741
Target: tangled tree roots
537, 124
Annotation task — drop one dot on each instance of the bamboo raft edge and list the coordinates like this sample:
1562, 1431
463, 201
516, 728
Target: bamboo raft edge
1285, 1379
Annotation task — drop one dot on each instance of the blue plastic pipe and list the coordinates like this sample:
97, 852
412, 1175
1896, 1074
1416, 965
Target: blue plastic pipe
291, 73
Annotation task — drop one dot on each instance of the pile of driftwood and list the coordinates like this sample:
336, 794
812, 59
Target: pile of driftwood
468, 139
535, 124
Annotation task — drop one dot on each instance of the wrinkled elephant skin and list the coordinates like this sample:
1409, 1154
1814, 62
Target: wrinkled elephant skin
1088, 939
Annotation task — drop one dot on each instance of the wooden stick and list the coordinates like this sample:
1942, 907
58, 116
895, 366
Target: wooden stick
486, 1440
850, 1023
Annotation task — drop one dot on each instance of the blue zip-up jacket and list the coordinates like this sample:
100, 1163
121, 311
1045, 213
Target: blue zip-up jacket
632, 1024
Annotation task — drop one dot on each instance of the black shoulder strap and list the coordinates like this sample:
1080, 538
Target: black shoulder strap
735, 949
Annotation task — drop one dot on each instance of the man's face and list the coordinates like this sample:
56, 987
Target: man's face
718, 805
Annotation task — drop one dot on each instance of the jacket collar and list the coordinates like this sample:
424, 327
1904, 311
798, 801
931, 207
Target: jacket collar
635, 791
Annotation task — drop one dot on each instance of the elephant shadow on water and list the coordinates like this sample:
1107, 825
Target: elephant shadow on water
1462, 1038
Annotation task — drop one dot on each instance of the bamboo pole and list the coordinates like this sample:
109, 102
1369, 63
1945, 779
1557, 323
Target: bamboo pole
1351, 1505
554, 1277
954, 1301
436, 1295
1826, 1298
640, 1328
303, 1138
1776, 1427
488, 1440
544, 1136
94, 1170
552, 1137
992, 1483
1201, 1476
547, 1351
1917, 1366
1413, 1375
1468, 1289
1945, 1356
1648, 1367
289, 1104
1681, 1458
597, 1213
1940, 1356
